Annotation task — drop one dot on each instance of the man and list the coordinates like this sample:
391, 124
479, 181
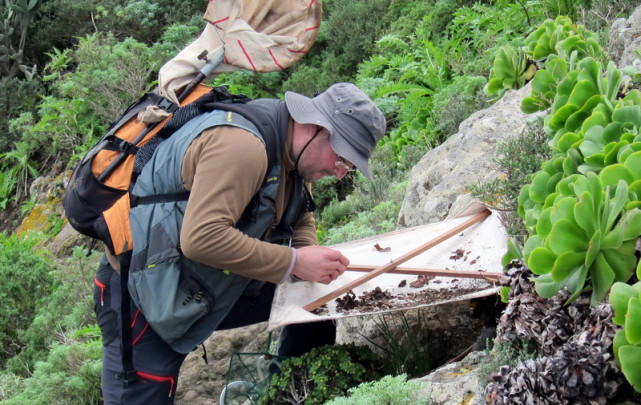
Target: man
245, 228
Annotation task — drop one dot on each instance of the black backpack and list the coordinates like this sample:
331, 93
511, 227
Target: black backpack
101, 183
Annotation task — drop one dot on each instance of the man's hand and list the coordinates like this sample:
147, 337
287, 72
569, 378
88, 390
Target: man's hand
320, 264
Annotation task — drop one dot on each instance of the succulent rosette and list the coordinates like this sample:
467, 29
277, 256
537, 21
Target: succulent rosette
626, 302
584, 238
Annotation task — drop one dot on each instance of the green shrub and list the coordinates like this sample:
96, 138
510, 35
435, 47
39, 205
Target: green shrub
7, 187
21, 128
354, 229
69, 376
253, 85
298, 81
517, 160
323, 374
110, 75
338, 212
456, 102
479, 24
381, 218
10, 385
26, 276
390, 390
16, 97
353, 26
175, 37
67, 309
94, 83
411, 78
140, 20
59, 358
19, 163
480, 30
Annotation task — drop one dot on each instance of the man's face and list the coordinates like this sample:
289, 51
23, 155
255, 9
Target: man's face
319, 159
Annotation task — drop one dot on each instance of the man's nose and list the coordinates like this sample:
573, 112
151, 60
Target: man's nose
340, 171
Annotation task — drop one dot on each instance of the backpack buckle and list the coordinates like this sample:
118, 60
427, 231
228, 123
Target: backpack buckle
128, 376
167, 105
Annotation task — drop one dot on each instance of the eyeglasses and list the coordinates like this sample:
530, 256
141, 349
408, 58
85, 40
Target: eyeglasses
343, 164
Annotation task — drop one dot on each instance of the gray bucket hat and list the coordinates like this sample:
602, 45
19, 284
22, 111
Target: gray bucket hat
354, 122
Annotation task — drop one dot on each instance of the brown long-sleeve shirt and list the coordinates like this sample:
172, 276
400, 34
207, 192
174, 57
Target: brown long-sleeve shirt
224, 168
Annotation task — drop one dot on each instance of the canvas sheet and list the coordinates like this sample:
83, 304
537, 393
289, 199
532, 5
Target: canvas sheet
479, 247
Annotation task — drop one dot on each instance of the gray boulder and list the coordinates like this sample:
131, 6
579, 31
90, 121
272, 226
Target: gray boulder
625, 40
438, 185
456, 383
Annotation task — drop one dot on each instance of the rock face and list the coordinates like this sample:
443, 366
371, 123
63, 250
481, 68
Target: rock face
438, 183
456, 383
625, 40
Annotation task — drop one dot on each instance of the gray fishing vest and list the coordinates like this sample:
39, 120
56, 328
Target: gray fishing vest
184, 301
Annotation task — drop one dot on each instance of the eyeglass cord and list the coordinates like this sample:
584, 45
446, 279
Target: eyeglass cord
305, 147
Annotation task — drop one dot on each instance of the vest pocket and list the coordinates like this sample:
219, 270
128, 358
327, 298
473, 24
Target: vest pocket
171, 297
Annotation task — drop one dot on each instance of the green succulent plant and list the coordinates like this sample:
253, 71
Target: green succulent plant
548, 56
535, 197
588, 127
511, 70
603, 147
629, 172
626, 302
584, 236
561, 37
583, 208
585, 98
545, 82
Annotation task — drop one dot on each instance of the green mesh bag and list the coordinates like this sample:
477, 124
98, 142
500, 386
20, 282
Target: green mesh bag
248, 376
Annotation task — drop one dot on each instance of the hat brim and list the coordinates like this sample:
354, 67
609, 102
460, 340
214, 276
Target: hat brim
305, 111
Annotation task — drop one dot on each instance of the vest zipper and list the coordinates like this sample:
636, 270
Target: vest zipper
140, 335
142, 332
133, 323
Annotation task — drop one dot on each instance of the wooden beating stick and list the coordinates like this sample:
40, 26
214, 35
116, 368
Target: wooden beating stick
415, 271
387, 267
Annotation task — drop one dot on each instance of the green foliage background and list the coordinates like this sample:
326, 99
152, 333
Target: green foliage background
425, 63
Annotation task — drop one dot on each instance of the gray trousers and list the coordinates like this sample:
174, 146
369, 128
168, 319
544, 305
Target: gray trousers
156, 363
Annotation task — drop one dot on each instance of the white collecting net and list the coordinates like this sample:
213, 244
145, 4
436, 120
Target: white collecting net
258, 35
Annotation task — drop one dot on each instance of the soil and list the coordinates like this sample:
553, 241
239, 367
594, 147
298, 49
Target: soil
377, 299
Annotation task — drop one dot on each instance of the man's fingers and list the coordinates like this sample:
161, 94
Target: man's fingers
320, 264
339, 257
344, 260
